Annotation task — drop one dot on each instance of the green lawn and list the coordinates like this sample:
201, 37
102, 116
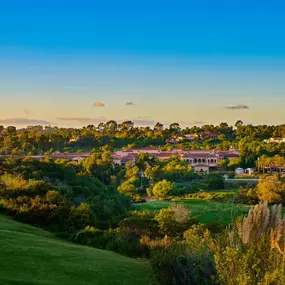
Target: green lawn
205, 211
29, 255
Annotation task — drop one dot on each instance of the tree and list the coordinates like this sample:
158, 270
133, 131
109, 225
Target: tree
139, 226
131, 171
198, 238
276, 161
214, 182
81, 217
234, 163
174, 127
141, 160
174, 220
223, 163
262, 162
224, 127
163, 189
239, 123
126, 126
152, 172
128, 188
176, 169
99, 165
111, 126
158, 127
221, 137
101, 127
11, 130
271, 189
91, 127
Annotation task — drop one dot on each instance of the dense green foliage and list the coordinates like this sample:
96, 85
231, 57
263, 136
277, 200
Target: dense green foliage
248, 139
59, 195
249, 252
89, 202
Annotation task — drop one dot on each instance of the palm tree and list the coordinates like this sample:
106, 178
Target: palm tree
262, 163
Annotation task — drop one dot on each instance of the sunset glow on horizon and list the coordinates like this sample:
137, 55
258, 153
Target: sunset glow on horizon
194, 64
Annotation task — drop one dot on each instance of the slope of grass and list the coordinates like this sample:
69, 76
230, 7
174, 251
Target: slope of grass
29, 255
205, 210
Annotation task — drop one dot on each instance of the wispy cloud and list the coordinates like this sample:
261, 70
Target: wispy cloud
98, 120
144, 122
198, 123
143, 117
82, 119
237, 107
129, 103
98, 104
23, 122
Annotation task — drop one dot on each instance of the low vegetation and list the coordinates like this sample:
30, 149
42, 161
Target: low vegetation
206, 211
30, 255
192, 228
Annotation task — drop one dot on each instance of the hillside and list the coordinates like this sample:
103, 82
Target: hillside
32, 256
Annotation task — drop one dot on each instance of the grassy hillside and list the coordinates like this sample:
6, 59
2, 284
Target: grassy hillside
205, 211
32, 256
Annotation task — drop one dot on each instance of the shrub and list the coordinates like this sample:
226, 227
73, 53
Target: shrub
176, 265
198, 239
144, 213
139, 226
162, 189
271, 188
155, 243
253, 250
214, 182
166, 267
174, 220
217, 196
111, 240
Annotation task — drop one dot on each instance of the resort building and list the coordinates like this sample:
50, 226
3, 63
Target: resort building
275, 140
193, 137
210, 135
201, 160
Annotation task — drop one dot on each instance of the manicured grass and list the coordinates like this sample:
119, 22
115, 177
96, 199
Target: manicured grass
29, 255
205, 211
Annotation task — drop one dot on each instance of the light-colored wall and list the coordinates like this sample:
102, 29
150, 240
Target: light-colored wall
204, 168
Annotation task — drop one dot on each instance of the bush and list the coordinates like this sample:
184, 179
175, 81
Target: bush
174, 220
111, 240
175, 265
246, 196
166, 267
139, 226
252, 251
217, 196
214, 182
161, 189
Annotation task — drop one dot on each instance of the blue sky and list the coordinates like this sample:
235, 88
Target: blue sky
185, 61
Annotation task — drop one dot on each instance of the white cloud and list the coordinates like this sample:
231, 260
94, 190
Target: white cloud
98, 104
130, 103
238, 107
23, 122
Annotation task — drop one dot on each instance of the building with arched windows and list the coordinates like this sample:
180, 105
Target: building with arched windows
201, 160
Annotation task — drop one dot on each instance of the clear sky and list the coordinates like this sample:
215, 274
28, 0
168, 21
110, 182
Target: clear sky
192, 62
